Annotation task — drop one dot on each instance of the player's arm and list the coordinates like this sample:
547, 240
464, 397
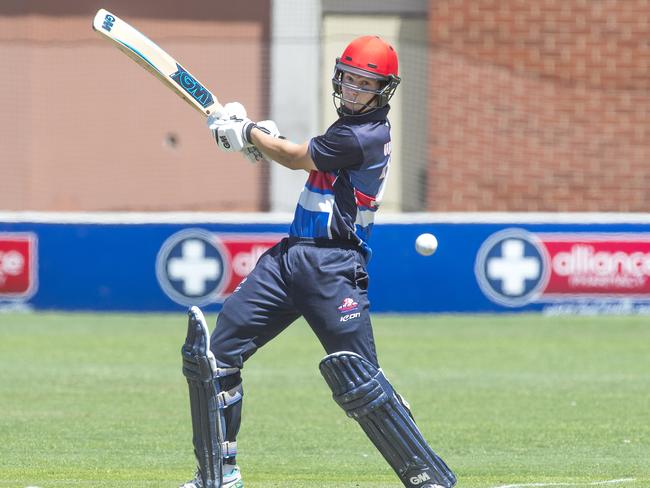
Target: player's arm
283, 151
234, 131
338, 148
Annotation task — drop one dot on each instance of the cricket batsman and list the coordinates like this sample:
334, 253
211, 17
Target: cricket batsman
318, 272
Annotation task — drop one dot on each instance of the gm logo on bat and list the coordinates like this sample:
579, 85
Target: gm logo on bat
109, 21
197, 91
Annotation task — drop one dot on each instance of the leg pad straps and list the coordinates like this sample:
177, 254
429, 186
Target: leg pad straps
199, 368
364, 393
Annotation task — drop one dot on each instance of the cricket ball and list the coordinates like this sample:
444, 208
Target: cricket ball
426, 244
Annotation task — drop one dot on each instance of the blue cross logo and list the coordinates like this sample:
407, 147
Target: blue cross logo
511, 267
191, 268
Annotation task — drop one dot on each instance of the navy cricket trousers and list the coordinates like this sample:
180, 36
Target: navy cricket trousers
326, 285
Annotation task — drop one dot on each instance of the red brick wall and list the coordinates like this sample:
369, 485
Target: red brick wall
539, 105
82, 127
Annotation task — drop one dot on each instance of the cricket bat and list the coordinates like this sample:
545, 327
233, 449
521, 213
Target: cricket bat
154, 59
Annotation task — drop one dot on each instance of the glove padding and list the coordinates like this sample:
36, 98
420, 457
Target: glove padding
251, 152
231, 129
270, 127
232, 110
228, 126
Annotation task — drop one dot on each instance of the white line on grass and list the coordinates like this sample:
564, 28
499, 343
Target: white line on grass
594, 483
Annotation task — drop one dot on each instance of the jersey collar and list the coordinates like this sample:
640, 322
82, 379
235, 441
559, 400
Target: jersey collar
375, 115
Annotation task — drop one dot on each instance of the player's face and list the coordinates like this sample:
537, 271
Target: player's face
354, 94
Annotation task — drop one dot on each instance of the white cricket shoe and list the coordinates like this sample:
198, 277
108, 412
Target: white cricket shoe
231, 478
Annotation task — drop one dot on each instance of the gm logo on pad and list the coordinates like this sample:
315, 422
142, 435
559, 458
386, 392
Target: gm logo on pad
512, 267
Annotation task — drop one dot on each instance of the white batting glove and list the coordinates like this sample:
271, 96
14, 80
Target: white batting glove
232, 110
227, 126
231, 129
270, 127
230, 135
234, 135
251, 152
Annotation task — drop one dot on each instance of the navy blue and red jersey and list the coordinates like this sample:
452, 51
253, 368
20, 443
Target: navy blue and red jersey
339, 201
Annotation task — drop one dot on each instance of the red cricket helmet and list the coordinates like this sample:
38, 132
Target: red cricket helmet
372, 57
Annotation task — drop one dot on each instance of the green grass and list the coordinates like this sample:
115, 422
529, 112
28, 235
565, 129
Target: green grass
99, 401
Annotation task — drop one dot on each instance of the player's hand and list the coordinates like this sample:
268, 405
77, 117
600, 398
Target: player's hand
230, 133
251, 152
231, 129
232, 110
227, 126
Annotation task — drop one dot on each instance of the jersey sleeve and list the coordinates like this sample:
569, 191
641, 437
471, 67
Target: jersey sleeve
338, 148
